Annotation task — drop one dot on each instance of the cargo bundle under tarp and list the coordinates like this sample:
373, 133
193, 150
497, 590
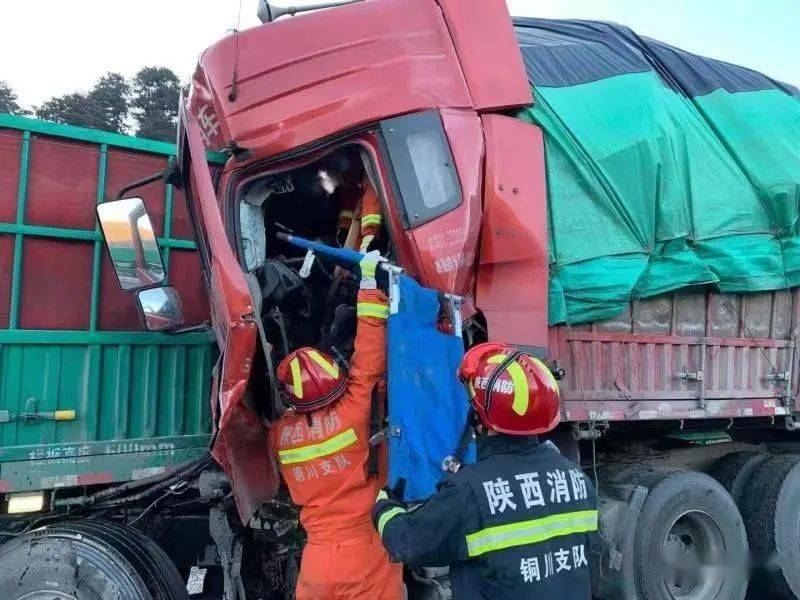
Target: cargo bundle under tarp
665, 169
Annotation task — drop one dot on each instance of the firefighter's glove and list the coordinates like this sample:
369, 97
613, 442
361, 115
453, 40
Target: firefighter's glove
386, 507
368, 266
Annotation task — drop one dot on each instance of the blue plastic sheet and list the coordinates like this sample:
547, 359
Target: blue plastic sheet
427, 404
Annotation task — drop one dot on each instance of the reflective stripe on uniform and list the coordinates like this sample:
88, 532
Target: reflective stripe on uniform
372, 309
373, 219
530, 532
345, 214
329, 446
520, 382
388, 516
330, 369
366, 242
297, 378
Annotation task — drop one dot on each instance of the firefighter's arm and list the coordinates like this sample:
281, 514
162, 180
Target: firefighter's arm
368, 364
432, 534
371, 217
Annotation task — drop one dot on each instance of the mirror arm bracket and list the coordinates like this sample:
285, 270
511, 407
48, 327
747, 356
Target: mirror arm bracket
171, 176
199, 328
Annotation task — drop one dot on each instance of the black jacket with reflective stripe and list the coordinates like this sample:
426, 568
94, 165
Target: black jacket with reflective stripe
514, 525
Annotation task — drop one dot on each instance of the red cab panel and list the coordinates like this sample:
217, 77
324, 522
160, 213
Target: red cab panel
447, 246
302, 79
489, 53
512, 275
240, 445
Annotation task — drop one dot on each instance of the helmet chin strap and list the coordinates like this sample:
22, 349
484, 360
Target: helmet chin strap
453, 462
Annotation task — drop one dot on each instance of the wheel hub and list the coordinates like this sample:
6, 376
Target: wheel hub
692, 552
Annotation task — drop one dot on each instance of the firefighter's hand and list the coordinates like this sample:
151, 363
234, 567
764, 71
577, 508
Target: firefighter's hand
368, 266
385, 502
392, 495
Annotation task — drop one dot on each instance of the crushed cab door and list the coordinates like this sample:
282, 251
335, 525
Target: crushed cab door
240, 442
513, 265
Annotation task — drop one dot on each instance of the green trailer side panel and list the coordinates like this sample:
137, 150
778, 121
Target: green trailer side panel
119, 392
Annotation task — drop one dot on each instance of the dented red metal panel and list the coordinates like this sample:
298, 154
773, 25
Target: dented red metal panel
489, 53
240, 446
512, 275
447, 246
302, 79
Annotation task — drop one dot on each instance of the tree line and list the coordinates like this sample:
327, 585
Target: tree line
145, 106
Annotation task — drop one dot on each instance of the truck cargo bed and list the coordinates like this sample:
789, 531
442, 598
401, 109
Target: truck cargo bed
688, 355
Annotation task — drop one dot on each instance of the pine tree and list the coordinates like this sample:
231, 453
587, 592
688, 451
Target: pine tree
8, 101
154, 103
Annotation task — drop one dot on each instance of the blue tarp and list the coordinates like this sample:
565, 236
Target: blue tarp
427, 403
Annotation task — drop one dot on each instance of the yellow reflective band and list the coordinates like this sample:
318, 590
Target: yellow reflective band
388, 516
347, 214
372, 309
366, 242
329, 446
534, 531
547, 372
332, 370
373, 219
297, 378
520, 382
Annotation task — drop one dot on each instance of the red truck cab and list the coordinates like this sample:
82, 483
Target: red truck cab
421, 89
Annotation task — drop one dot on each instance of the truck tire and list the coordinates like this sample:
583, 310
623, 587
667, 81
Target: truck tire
734, 470
771, 509
85, 561
687, 519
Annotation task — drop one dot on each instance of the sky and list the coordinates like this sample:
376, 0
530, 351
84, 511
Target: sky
56, 47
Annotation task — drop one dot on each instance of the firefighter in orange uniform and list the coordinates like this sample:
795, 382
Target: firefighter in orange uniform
322, 446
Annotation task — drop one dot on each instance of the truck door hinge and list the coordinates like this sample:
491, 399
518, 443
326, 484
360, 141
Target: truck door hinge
779, 378
691, 375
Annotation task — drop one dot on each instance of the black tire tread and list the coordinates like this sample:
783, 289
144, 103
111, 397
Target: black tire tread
144, 556
760, 512
733, 471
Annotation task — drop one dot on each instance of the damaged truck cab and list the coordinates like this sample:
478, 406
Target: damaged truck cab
426, 112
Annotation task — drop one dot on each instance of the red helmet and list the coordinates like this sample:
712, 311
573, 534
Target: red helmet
524, 396
309, 379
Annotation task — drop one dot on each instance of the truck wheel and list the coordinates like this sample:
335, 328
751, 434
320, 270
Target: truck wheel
85, 561
771, 509
689, 530
733, 471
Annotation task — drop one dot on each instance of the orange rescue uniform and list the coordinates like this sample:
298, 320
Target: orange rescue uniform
324, 463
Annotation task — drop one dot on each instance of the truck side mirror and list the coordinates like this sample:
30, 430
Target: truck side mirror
161, 308
131, 243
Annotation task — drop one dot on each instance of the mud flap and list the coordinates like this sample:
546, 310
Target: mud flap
612, 568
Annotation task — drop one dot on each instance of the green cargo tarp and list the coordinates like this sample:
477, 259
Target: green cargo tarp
665, 169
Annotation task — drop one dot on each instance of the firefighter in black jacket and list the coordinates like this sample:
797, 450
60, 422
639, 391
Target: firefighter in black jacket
517, 523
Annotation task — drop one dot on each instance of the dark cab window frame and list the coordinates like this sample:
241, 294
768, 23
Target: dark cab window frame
422, 168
